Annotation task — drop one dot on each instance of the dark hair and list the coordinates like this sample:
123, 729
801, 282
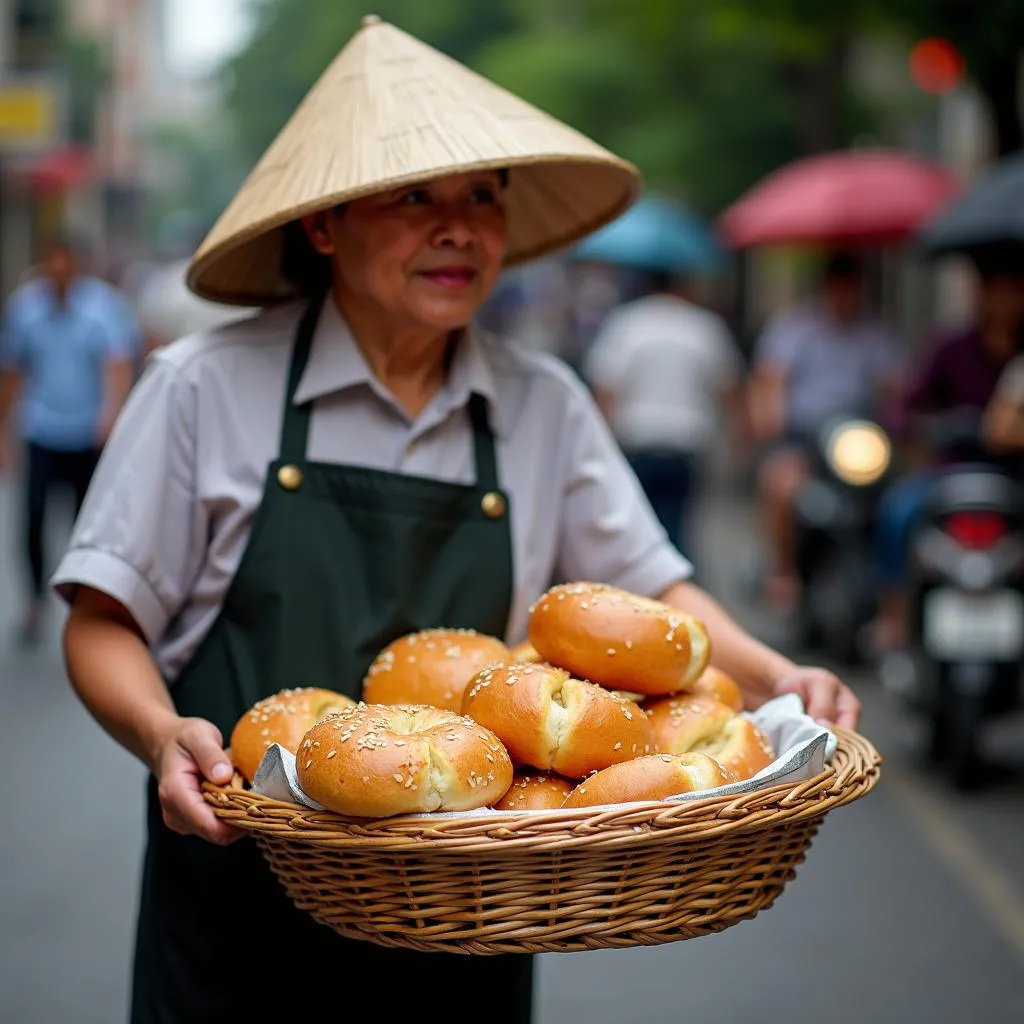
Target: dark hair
843, 266
1000, 259
301, 265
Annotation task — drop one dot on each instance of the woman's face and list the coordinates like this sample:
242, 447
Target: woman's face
425, 255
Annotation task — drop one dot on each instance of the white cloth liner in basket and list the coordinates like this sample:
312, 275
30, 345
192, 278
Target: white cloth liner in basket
804, 749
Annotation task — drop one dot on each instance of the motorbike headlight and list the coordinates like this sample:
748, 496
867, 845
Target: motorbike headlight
859, 452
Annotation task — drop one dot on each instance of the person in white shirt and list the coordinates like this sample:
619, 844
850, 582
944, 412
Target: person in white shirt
663, 369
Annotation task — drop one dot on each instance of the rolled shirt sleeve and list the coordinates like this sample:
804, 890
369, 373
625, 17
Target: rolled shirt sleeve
609, 532
140, 536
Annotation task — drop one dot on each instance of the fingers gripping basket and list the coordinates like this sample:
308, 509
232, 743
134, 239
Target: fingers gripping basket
537, 882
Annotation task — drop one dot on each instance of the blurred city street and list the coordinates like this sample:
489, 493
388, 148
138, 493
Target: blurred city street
909, 908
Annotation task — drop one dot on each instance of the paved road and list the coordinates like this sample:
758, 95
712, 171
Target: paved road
909, 908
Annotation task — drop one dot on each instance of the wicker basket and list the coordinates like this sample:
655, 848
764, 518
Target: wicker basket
542, 882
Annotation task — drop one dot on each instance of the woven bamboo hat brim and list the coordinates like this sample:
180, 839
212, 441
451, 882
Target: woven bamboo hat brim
388, 111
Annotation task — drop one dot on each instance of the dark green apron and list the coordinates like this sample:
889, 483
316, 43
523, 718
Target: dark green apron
340, 562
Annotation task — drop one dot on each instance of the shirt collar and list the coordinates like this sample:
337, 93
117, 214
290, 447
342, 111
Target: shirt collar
336, 363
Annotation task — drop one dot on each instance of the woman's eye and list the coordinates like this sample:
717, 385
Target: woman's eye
414, 198
484, 194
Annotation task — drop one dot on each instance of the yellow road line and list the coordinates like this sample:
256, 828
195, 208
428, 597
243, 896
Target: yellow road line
1000, 899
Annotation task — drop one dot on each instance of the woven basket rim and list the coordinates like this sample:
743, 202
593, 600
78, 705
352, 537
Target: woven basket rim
853, 772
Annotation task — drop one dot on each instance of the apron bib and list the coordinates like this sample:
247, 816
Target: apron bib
341, 561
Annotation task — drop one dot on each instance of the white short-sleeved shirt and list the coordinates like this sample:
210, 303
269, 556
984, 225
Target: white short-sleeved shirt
666, 363
168, 515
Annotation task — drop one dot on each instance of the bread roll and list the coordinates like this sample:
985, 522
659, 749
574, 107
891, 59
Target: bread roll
377, 760
617, 639
535, 791
283, 718
549, 720
525, 652
685, 724
430, 667
655, 777
715, 684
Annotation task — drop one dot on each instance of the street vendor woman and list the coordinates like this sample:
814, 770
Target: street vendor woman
282, 497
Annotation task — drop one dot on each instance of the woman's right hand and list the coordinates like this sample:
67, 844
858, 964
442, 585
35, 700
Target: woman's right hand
191, 751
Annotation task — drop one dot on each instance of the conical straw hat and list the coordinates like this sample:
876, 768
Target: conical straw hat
388, 111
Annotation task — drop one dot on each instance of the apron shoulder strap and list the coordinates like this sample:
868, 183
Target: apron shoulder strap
483, 444
295, 421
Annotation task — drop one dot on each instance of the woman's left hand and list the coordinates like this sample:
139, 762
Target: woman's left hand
827, 699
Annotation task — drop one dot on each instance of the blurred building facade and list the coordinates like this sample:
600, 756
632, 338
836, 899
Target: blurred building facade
91, 177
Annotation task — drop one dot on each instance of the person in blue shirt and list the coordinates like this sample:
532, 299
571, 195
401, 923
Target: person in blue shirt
68, 347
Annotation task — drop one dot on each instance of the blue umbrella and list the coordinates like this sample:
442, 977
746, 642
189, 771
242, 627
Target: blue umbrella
655, 234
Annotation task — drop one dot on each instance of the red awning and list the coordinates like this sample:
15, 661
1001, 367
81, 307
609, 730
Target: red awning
63, 169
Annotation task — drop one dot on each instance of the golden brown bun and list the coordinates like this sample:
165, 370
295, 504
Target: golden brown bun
617, 639
376, 760
430, 667
685, 723
549, 720
535, 791
714, 683
525, 652
655, 777
283, 718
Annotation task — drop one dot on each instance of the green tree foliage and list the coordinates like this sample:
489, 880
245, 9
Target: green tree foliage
706, 96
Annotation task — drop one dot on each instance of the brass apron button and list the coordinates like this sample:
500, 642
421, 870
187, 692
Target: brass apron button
493, 505
290, 477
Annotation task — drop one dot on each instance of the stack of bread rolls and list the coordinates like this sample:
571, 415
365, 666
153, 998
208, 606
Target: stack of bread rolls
610, 699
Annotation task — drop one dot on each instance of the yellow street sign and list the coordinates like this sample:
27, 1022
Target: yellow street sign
29, 114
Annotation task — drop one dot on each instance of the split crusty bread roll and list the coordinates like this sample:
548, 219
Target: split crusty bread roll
377, 760
432, 667
618, 639
283, 718
551, 721
655, 777
535, 791
688, 724
714, 683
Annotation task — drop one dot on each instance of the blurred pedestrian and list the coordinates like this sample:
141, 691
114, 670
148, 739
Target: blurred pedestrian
1003, 422
67, 349
663, 368
957, 377
824, 358
168, 309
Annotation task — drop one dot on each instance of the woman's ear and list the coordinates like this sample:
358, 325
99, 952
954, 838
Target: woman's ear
318, 230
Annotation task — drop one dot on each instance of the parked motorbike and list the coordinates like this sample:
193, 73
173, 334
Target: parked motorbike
966, 591
835, 513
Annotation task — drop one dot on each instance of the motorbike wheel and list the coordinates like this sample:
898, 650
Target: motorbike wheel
833, 611
966, 715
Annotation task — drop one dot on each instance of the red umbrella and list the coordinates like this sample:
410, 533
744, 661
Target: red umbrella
859, 197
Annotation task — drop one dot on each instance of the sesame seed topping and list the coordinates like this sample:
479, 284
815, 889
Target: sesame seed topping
308, 763
331, 754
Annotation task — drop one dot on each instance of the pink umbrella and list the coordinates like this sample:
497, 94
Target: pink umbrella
858, 197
